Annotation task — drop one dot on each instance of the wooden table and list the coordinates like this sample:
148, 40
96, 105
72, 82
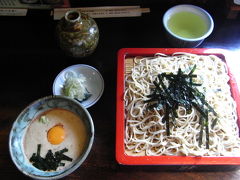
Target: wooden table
30, 60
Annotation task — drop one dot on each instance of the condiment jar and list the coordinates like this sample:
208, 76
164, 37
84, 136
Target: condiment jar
77, 34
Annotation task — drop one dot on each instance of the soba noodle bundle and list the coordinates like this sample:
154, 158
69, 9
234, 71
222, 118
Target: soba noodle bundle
145, 132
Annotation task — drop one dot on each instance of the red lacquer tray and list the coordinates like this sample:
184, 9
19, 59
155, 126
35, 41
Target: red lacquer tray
125, 159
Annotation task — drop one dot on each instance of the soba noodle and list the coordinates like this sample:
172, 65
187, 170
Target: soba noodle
145, 133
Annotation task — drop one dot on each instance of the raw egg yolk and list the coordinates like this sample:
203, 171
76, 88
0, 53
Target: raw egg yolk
56, 134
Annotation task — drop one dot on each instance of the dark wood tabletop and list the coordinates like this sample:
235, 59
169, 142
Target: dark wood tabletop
30, 60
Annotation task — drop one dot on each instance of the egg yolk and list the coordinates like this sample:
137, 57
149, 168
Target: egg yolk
56, 134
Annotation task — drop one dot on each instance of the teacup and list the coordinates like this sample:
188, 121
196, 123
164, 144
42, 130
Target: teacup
187, 25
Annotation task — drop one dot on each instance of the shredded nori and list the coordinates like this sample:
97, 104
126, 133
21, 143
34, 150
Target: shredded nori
51, 161
181, 91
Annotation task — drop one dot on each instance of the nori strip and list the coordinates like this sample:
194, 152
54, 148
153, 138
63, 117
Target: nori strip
181, 91
201, 122
51, 161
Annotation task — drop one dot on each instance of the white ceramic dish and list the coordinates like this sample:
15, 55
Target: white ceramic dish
94, 82
237, 2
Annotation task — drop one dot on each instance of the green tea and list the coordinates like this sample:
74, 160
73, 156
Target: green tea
187, 25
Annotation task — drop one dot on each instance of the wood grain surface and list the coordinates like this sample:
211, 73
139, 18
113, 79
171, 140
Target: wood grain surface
30, 59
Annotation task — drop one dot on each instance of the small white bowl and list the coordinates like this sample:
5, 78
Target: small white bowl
179, 41
94, 82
